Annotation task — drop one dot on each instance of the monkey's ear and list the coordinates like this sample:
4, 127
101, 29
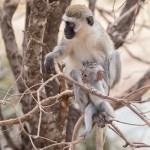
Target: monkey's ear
100, 75
90, 20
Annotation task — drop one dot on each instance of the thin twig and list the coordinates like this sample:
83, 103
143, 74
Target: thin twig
135, 57
133, 124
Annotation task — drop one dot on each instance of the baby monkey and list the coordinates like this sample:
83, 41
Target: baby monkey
92, 76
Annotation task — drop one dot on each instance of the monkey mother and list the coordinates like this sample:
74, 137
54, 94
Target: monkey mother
85, 40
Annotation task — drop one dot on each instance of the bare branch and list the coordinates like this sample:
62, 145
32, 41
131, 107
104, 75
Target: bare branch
143, 82
35, 110
95, 92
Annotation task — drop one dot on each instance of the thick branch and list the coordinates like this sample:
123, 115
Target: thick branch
14, 58
121, 27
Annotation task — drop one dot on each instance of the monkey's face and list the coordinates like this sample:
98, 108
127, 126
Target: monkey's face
89, 75
78, 19
92, 73
73, 27
86, 76
76, 27
69, 30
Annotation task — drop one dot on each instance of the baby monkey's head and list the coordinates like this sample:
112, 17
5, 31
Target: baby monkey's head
92, 72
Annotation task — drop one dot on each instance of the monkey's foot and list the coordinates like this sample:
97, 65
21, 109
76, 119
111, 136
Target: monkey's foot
84, 133
100, 120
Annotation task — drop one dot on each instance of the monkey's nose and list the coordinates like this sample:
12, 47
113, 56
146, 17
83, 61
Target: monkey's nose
85, 75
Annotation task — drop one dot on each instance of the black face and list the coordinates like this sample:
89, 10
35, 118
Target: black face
69, 30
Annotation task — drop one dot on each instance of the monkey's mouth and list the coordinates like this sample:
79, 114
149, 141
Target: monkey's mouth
69, 36
85, 80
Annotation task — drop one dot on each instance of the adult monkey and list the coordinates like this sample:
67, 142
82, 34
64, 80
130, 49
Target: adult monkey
85, 40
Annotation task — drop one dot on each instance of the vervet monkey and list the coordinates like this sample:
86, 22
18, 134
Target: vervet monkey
85, 39
93, 77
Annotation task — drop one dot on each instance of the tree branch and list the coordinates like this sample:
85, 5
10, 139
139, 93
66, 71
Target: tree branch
35, 110
14, 58
121, 27
144, 81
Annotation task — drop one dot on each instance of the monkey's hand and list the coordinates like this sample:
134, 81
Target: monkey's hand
49, 63
93, 90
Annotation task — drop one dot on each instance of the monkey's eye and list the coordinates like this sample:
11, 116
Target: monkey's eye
82, 73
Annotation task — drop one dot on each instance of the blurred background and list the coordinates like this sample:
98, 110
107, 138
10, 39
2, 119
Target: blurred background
135, 57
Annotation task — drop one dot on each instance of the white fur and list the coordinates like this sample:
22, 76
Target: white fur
85, 46
77, 22
70, 19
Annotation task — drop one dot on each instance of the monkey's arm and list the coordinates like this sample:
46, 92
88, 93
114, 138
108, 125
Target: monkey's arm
59, 51
81, 96
114, 68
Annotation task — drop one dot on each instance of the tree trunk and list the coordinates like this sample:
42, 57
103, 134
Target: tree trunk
32, 74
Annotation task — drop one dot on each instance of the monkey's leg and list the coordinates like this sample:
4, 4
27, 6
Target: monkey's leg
89, 111
107, 110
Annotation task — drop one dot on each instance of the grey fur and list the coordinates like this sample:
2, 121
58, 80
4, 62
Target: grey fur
92, 104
